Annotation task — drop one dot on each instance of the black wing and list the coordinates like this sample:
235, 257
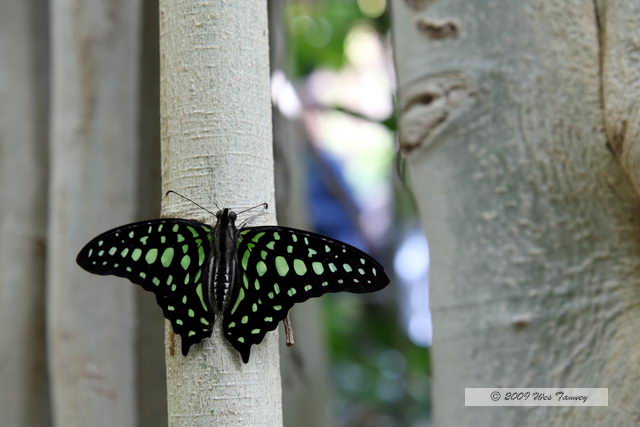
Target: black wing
167, 257
281, 266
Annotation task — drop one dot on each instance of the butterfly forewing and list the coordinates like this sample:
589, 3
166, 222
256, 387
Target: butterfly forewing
279, 267
167, 257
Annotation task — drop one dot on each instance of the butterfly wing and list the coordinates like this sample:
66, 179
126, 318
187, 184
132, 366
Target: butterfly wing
167, 257
281, 266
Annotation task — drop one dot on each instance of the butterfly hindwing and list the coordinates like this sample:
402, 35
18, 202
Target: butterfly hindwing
278, 267
167, 257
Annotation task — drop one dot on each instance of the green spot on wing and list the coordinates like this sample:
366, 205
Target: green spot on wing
180, 238
347, 268
332, 267
200, 255
199, 292
281, 266
136, 254
151, 256
261, 268
307, 288
244, 320
191, 313
112, 251
240, 298
255, 331
192, 230
300, 267
185, 261
245, 259
124, 252
271, 245
167, 257
257, 237
318, 268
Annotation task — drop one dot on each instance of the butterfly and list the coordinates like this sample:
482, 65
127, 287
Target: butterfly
251, 276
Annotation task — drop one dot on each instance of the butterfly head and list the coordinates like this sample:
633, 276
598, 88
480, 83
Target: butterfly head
226, 216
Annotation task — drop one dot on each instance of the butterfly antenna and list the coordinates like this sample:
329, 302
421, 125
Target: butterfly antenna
251, 218
198, 205
266, 206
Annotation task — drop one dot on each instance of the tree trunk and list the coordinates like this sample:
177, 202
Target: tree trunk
216, 147
305, 371
23, 172
532, 225
93, 159
151, 379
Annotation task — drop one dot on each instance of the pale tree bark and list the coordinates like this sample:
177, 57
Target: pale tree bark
23, 171
95, 51
305, 368
619, 23
532, 224
151, 379
216, 146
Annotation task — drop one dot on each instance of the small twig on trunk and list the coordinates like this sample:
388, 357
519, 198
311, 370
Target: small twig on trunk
288, 331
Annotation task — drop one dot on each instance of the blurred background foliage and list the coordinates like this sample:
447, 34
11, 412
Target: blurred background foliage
338, 82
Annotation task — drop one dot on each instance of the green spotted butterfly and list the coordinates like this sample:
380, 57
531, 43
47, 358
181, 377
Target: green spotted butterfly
252, 276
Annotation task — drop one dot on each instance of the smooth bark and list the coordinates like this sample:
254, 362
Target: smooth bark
533, 226
94, 132
23, 172
306, 386
150, 368
216, 147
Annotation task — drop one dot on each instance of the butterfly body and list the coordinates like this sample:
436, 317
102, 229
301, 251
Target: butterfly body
251, 276
223, 262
